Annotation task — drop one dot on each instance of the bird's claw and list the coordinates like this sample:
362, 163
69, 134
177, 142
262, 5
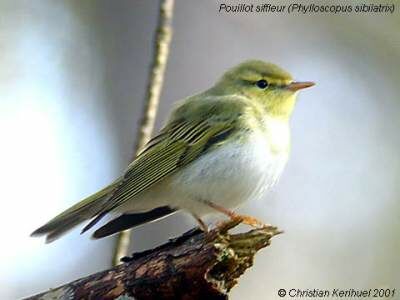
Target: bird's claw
241, 219
251, 221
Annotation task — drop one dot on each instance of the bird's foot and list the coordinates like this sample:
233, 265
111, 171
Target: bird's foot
249, 220
236, 219
203, 226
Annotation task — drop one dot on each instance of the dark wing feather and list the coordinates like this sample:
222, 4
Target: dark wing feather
127, 221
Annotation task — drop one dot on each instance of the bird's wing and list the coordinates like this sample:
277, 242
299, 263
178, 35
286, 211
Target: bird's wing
181, 141
127, 221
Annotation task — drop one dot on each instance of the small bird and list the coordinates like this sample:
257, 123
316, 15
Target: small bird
219, 148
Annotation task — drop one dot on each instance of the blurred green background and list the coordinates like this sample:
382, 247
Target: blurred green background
72, 82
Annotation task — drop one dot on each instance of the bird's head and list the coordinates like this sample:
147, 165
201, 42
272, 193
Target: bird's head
266, 83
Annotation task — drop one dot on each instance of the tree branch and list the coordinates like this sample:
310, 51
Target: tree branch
156, 78
196, 265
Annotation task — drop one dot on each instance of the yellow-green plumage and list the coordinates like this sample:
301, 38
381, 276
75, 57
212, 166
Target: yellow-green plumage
234, 112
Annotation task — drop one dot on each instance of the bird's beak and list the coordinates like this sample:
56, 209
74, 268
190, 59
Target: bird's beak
295, 85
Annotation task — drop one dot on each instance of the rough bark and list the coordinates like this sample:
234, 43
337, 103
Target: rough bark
195, 265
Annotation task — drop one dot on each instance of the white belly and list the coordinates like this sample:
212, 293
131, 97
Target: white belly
227, 176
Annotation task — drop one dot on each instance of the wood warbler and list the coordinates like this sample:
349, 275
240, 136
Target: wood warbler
219, 149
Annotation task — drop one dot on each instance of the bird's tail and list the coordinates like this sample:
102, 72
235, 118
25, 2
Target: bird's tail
78, 213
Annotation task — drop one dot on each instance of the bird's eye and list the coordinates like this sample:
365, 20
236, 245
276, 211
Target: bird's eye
262, 84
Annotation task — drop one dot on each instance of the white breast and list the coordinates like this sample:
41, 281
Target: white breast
228, 176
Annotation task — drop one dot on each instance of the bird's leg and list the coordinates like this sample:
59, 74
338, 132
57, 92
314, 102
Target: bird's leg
203, 226
248, 220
